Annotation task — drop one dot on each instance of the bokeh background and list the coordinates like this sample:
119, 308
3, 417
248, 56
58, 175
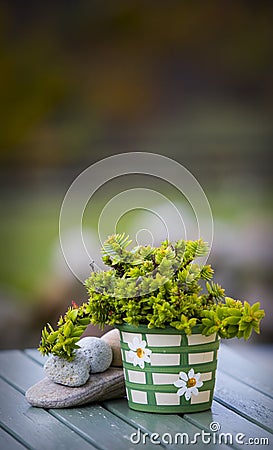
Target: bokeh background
84, 80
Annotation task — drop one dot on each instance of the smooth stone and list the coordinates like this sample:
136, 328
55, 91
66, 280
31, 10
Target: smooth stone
99, 387
113, 339
68, 373
97, 352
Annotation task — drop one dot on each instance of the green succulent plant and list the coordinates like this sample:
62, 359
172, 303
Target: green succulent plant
154, 286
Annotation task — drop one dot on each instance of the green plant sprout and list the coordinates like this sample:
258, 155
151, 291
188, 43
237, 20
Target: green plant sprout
154, 286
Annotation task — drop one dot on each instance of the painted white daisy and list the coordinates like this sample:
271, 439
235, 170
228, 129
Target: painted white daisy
138, 353
188, 384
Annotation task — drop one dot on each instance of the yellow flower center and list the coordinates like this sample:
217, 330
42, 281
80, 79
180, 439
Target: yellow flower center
140, 352
191, 382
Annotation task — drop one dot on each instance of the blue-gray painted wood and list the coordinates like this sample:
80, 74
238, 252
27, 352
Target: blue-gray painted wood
19, 370
159, 423
92, 422
34, 354
103, 428
244, 400
229, 423
255, 375
35, 427
8, 442
243, 404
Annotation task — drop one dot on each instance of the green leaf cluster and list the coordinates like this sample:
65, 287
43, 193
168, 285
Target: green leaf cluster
232, 319
63, 341
154, 286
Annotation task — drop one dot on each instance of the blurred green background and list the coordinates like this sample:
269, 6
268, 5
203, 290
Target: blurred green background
84, 80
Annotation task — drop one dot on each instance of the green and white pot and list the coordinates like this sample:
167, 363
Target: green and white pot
167, 371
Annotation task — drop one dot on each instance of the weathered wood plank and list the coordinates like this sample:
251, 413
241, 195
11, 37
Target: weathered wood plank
19, 370
260, 354
236, 365
239, 404
163, 424
34, 354
7, 442
100, 426
229, 422
94, 423
34, 427
245, 400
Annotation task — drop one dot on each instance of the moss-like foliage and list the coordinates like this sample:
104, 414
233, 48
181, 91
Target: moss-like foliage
157, 287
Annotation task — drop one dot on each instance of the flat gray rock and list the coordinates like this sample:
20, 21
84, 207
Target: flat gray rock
99, 387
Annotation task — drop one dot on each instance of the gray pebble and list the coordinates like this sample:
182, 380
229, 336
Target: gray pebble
68, 373
97, 352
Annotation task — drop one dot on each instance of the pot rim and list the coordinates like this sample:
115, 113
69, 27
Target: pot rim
197, 329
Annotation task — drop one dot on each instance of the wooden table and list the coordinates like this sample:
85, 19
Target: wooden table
243, 408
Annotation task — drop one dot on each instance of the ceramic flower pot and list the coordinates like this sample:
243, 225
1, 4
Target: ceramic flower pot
167, 371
